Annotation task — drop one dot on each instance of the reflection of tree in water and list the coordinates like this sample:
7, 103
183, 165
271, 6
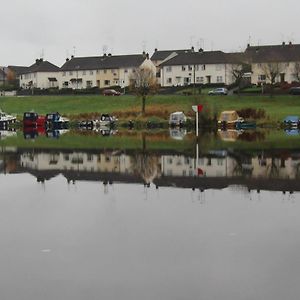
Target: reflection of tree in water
252, 136
273, 169
146, 166
297, 170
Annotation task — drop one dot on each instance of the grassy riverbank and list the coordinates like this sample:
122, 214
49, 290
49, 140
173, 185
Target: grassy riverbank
159, 106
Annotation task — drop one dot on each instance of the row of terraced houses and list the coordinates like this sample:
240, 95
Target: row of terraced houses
172, 68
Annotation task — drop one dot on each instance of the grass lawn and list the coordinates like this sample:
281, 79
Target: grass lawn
160, 106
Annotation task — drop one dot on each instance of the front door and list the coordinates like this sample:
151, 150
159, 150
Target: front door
282, 77
186, 80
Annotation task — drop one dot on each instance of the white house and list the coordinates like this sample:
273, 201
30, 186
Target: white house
102, 71
42, 74
80, 72
202, 67
282, 59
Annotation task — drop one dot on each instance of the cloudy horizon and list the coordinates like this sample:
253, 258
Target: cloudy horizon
57, 29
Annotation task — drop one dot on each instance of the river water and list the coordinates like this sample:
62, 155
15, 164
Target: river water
166, 218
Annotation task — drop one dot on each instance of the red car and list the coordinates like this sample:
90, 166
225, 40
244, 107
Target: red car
111, 93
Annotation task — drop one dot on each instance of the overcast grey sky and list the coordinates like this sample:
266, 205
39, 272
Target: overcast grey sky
54, 27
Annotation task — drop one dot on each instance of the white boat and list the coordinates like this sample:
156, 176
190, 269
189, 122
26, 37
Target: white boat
6, 119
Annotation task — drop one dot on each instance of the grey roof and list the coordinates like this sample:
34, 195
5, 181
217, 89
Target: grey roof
273, 53
191, 58
18, 69
122, 61
82, 63
103, 62
163, 54
41, 66
236, 57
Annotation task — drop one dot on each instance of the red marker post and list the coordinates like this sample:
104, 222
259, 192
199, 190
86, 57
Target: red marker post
197, 108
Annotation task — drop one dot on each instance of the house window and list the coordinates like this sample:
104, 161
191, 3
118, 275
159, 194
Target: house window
259, 65
200, 79
168, 69
89, 84
203, 67
113, 71
64, 74
183, 68
70, 73
219, 79
106, 82
190, 68
196, 67
83, 72
104, 71
169, 80
91, 72
287, 65
125, 71
65, 84
262, 77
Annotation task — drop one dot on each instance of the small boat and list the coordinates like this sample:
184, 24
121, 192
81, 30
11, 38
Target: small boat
55, 133
6, 119
104, 120
107, 120
229, 135
291, 121
230, 118
32, 119
177, 118
55, 120
178, 133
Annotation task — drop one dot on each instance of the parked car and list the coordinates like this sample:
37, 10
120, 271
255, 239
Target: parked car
111, 92
294, 91
218, 91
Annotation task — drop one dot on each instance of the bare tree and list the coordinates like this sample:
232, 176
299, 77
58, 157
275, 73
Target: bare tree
143, 83
272, 70
238, 70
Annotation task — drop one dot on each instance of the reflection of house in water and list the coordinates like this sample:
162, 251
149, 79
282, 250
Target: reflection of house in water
75, 161
274, 167
208, 166
216, 169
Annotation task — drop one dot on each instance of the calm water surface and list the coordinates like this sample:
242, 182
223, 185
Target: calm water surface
113, 225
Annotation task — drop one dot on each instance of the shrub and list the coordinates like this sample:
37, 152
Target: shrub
252, 113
